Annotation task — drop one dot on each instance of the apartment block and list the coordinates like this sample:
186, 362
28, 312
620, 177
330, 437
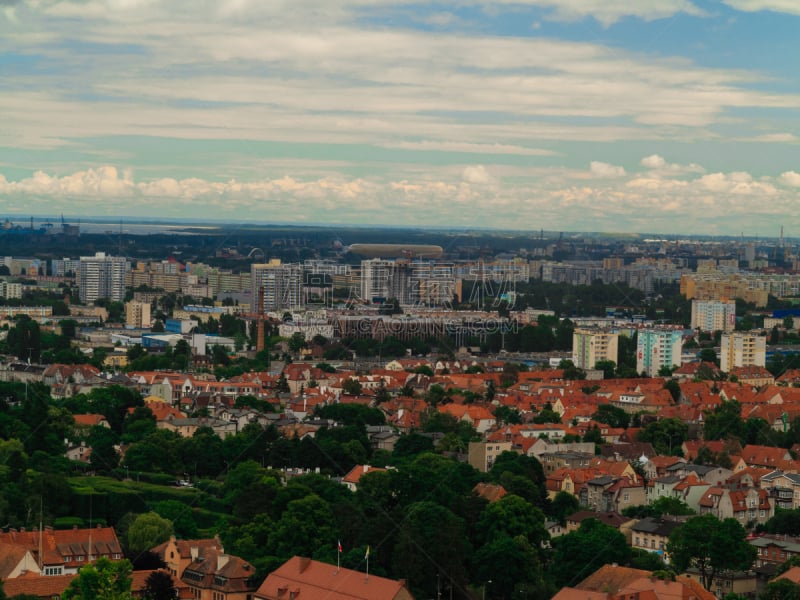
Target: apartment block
741, 349
656, 348
713, 315
101, 276
137, 314
282, 285
592, 345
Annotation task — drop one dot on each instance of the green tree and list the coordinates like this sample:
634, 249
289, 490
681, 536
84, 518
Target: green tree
431, 540
511, 516
296, 342
511, 564
781, 589
710, 546
351, 387
666, 435
581, 552
708, 355
147, 531
24, 339
612, 416
306, 526
674, 389
608, 368
103, 580
724, 422
159, 586
785, 522
563, 505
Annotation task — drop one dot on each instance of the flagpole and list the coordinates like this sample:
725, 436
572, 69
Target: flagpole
367, 557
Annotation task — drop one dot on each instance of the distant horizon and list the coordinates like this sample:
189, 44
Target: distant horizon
174, 222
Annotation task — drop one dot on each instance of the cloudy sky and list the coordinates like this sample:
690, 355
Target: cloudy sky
671, 116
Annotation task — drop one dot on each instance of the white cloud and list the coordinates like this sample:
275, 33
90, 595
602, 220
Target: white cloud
654, 161
660, 166
784, 6
772, 138
602, 169
259, 71
609, 12
476, 174
470, 148
791, 178
721, 202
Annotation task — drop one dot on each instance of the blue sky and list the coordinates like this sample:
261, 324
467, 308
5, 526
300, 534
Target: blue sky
670, 116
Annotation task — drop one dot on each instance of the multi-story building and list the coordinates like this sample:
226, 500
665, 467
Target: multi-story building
101, 276
713, 315
482, 455
589, 346
742, 349
383, 279
10, 290
421, 282
656, 348
60, 267
281, 284
137, 314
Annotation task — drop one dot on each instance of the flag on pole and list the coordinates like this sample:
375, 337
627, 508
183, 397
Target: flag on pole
339, 546
367, 553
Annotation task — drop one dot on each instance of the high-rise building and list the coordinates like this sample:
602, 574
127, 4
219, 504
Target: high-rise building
282, 285
713, 315
426, 283
382, 280
589, 346
656, 348
137, 314
742, 349
101, 276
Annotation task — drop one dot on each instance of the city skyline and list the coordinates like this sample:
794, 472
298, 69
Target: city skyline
663, 116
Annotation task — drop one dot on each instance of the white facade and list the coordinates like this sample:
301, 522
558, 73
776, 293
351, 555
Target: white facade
282, 285
101, 276
713, 315
742, 350
10, 290
656, 348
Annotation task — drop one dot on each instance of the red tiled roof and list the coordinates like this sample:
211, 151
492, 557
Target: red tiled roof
312, 579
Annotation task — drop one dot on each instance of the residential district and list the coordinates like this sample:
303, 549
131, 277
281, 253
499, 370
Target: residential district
400, 421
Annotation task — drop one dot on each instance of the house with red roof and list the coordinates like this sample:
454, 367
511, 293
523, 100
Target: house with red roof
612, 582
301, 578
767, 457
478, 416
63, 551
356, 473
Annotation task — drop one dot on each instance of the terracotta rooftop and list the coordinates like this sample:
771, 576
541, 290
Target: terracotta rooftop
307, 579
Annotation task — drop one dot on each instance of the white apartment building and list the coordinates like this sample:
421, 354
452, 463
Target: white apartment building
742, 349
282, 285
383, 279
713, 315
10, 290
656, 348
59, 267
592, 345
102, 276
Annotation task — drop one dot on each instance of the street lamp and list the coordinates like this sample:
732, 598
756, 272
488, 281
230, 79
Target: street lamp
485, 585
